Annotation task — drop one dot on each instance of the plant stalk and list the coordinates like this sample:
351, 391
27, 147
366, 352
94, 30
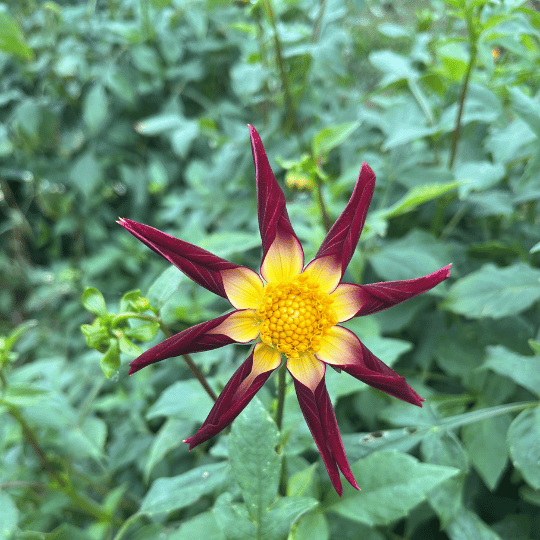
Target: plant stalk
282, 385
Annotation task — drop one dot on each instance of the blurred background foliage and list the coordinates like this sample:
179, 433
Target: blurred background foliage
138, 108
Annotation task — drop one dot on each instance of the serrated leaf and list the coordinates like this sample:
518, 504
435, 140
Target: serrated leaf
93, 301
495, 292
524, 370
331, 137
168, 494
255, 464
392, 485
524, 445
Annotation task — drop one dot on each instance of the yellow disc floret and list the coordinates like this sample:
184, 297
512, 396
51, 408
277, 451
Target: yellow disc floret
295, 314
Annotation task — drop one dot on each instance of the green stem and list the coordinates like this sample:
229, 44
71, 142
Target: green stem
199, 376
327, 223
464, 88
282, 385
317, 26
289, 108
83, 503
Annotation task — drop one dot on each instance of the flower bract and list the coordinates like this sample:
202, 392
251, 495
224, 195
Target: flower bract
290, 311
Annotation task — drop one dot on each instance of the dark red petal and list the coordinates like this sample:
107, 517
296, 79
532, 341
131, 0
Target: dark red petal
373, 371
198, 264
229, 404
341, 240
191, 340
321, 420
378, 296
273, 218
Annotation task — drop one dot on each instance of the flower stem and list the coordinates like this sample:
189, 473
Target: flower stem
191, 364
289, 108
327, 223
464, 88
282, 384
199, 376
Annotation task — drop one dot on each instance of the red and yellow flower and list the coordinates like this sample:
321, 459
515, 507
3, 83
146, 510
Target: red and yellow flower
290, 311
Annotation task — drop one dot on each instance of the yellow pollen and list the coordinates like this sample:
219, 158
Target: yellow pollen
295, 315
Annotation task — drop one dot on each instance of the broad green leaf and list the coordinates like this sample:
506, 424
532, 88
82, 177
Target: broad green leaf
233, 519
134, 301
11, 38
331, 137
186, 400
495, 292
255, 464
490, 433
468, 526
86, 174
277, 523
416, 196
415, 255
300, 482
169, 494
170, 436
165, 286
95, 112
182, 138
8, 516
22, 395
93, 301
478, 176
524, 370
87, 440
524, 445
527, 108
312, 526
392, 485
201, 526
508, 142
224, 244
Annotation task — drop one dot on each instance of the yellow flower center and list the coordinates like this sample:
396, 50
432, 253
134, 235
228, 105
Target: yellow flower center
295, 314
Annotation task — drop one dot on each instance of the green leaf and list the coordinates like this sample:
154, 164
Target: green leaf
495, 292
415, 255
95, 111
11, 38
331, 137
524, 445
168, 494
490, 433
201, 526
165, 286
300, 482
170, 436
134, 301
416, 196
255, 464
312, 526
277, 523
468, 526
110, 361
478, 176
8, 516
524, 370
392, 485
184, 399
233, 519
93, 301
224, 244
23, 395
527, 108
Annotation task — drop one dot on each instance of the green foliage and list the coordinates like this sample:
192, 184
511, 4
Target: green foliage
138, 108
